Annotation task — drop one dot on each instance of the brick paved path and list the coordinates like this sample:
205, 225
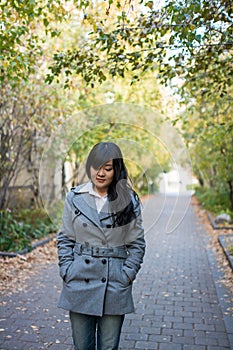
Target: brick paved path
179, 303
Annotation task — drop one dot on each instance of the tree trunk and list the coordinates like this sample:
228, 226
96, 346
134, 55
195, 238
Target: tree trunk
201, 181
230, 183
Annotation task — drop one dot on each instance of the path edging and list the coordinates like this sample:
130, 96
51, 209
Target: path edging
215, 226
224, 245
27, 249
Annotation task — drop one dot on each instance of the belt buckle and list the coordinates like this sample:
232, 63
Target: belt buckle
95, 252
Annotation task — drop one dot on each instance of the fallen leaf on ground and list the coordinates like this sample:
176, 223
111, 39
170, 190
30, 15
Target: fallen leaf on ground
214, 244
15, 272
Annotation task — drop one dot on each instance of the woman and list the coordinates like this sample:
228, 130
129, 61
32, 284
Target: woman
100, 248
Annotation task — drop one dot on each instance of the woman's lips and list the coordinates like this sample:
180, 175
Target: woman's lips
100, 180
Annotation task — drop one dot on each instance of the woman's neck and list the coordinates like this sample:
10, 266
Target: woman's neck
101, 193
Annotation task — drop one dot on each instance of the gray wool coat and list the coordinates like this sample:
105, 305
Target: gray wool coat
97, 285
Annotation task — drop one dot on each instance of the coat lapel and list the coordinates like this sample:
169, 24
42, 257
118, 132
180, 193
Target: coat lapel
86, 205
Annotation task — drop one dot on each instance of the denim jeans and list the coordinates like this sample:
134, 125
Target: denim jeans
88, 330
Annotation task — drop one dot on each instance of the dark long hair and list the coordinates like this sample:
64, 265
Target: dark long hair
119, 192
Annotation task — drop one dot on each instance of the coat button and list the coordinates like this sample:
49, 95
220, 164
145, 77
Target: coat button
84, 224
103, 279
87, 280
104, 261
87, 261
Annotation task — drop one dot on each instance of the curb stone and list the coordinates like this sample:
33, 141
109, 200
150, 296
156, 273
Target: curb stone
28, 249
215, 226
224, 244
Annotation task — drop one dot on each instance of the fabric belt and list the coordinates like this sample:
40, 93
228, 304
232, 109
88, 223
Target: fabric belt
98, 252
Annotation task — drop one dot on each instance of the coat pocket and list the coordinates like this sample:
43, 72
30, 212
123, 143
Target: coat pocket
116, 272
82, 269
68, 275
74, 270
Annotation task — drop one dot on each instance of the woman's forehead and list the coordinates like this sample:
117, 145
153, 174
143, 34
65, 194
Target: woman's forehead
99, 165
109, 162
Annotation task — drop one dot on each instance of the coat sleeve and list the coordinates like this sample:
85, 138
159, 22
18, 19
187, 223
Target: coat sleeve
136, 245
66, 239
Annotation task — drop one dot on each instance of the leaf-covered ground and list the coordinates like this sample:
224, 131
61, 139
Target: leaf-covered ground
15, 272
222, 261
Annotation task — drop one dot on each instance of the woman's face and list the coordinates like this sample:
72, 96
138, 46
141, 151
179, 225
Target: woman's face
102, 177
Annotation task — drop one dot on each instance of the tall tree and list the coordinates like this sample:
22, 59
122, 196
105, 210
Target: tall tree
208, 130
29, 112
180, 39
23, 28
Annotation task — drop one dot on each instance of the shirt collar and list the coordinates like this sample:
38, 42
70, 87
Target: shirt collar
88, 188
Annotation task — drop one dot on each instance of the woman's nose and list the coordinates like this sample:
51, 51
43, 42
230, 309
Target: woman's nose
100, 172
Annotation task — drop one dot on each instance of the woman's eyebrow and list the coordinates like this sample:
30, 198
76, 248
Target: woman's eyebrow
109, 163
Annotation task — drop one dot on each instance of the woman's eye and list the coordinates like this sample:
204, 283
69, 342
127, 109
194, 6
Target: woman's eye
108, 169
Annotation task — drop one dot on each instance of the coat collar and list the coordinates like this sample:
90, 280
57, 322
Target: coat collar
85, 203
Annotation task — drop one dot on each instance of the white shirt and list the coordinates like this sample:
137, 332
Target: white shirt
99, 200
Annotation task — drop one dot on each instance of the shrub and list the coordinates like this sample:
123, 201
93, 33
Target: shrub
19, 229
216, 202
